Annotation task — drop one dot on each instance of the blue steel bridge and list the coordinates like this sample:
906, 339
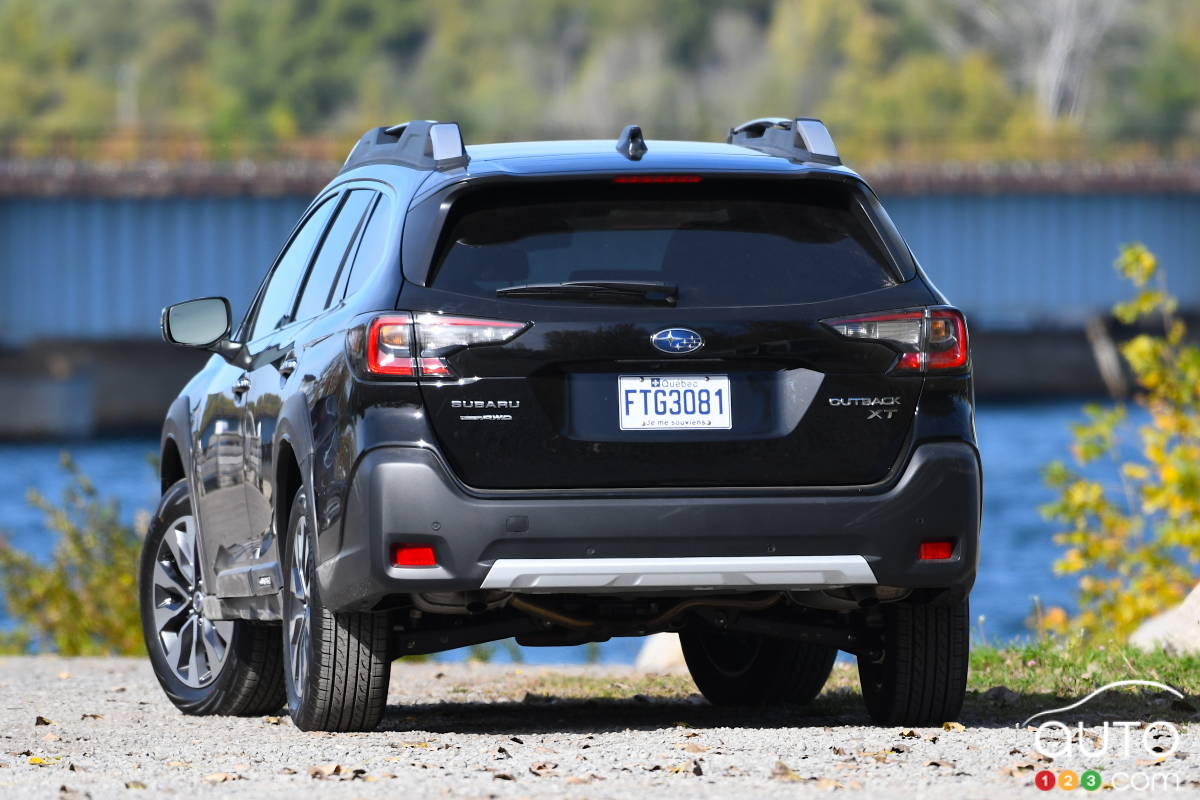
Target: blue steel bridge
90, 256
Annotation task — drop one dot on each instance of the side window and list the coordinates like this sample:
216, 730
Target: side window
370, 246
314, 297
275, 307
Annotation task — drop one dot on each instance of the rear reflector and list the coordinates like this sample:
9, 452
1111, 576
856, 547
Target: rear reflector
936, 550
413, 555
929, 340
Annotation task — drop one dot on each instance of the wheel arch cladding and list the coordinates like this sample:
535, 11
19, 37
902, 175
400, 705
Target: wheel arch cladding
288, 480
170, 465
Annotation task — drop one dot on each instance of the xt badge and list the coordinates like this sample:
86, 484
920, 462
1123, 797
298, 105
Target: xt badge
877, 407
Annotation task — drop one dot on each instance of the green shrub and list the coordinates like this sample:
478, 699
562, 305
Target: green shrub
84, 601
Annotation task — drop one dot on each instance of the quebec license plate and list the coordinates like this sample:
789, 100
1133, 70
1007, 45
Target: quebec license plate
659, 402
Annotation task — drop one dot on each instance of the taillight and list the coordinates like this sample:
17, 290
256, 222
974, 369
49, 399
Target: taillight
931, 339
389, 346
399, 345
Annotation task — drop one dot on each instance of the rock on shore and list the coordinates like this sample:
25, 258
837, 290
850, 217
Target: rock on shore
1176, 630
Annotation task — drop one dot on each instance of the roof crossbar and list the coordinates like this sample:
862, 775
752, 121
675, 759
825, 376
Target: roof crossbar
802, 138
423, 144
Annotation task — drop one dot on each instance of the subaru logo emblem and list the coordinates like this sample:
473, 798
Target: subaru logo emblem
677, 340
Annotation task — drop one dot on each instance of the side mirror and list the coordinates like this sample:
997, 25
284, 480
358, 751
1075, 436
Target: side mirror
202, 323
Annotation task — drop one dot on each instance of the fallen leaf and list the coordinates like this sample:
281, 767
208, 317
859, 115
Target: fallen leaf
957, 727
117, 689
838, 751
321, 771
40, 720
590, 778
91, 716
690, 766
517, 740
273, 720
543, 768
901, 748
692, 747
221, 777
503, 776
51, 737
134, 785
64, 675
501, 754
782, 772
931, 737
67, 793
287, 771
418, 745
909, 733
178, 764
940, 764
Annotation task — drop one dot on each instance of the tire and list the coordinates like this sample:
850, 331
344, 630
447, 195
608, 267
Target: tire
922, 677
233, 667
336, 665
737, 669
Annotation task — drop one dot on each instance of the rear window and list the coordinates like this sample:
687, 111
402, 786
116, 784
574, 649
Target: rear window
720, 242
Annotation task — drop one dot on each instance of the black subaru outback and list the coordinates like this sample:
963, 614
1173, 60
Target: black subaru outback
565, 391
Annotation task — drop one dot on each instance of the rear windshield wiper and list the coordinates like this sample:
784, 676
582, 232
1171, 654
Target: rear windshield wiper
598, 291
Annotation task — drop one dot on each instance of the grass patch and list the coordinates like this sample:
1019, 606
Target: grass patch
1038, 675
1053, 668
580, 686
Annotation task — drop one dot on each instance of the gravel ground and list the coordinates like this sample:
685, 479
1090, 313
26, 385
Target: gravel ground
101, 727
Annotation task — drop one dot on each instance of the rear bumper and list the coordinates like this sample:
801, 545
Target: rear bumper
639, 544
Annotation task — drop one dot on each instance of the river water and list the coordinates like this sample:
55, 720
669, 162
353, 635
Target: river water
1016, 440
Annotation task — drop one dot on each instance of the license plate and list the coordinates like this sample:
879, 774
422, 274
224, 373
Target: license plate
658, 402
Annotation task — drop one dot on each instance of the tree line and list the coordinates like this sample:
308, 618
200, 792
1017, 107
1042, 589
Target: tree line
940, 80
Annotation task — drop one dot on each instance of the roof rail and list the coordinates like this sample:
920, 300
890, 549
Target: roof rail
423, 144
802, 138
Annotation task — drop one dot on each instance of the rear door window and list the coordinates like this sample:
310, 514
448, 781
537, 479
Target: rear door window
334, 250
721, 242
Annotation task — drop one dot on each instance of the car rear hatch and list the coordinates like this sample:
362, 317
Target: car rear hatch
663, 334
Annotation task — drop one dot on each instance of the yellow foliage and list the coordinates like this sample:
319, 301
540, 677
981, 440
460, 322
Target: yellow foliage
1133, 544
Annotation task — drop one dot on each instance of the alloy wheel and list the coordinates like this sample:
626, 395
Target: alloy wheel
299, 621
194, 646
